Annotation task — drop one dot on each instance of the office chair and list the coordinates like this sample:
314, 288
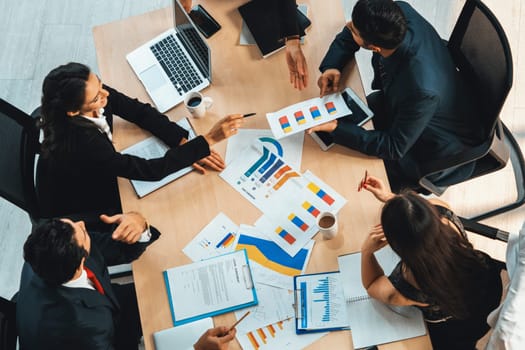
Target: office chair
19, 146
481, 51
7, 324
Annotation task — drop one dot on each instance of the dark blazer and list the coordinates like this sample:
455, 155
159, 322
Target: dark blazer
85, 178
285, 15
429, 110
50, 318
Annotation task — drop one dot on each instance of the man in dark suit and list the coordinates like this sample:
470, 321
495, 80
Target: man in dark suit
423, 110
66, 299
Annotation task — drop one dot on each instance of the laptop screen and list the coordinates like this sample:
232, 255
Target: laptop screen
193, 42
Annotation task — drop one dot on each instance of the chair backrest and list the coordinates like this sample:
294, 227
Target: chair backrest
481, 51
18, 148
7, 324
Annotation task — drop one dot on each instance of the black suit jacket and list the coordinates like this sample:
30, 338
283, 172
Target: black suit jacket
50, 318
84, 179
431, 112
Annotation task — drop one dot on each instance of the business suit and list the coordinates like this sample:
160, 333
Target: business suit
285, 16
90, 167
79, 318
423, 111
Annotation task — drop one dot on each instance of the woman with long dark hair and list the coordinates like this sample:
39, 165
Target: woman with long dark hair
454, 285
79, 166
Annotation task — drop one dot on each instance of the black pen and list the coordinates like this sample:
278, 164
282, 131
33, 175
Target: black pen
248, 115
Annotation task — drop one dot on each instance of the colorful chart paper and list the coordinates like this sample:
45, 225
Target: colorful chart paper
304, 115
216, 238
280, 335
280, 192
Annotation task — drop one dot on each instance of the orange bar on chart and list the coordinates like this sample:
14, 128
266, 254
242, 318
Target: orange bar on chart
253, 341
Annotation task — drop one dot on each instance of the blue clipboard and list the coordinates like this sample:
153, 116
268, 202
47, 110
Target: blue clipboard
248, 281
301, 296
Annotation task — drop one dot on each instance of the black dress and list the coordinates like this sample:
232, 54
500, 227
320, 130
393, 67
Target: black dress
447, 332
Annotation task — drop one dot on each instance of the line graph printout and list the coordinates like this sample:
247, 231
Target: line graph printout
218, 237
306, 114
280, 335
290, 148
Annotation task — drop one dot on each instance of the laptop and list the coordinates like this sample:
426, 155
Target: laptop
174, 63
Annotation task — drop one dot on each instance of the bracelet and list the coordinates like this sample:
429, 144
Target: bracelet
292, 37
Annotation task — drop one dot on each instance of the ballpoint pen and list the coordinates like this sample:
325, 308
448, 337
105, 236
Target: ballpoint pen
248, 115
238, 321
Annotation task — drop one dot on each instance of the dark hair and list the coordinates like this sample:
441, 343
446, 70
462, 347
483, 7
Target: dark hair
379, 22
63, 90
444, 264
53, 252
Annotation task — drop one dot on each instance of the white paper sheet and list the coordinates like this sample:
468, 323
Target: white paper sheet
151, 148
280, 335
218, 237
290, 148
184, 336
306, 114
209, 286
275, 304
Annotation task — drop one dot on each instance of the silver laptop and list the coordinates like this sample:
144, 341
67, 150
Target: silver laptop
174, 63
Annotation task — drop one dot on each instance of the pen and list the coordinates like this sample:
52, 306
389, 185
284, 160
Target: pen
248, 115
238, 321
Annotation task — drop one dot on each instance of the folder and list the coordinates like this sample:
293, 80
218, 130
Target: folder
210, 287
264, 27
320, 304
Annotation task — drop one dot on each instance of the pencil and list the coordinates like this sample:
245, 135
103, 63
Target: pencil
238, 321
248, 115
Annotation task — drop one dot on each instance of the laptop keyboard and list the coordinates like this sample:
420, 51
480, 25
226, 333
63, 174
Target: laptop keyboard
176, 65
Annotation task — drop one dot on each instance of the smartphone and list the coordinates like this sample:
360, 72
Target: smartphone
359, 116
204, 21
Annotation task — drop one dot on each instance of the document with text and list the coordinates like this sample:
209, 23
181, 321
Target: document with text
210, 287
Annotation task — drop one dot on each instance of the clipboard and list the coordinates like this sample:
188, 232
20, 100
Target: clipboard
210, 287
320, 304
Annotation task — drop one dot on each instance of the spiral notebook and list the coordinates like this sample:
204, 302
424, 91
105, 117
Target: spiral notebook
371, 321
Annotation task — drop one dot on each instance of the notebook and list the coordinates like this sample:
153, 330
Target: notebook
182, 336
261, 23
319, 303
150, 148
371, 321
210, 287
174, 63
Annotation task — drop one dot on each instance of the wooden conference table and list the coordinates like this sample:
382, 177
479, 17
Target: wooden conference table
243, 82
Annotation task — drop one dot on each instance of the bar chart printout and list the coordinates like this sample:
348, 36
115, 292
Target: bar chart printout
323, 305
280, 335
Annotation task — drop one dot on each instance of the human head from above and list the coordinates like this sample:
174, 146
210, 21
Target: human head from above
56, 250
68, 91
441, 260
377, 24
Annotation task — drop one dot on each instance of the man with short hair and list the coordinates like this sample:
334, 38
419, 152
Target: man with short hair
423, 110
66, 299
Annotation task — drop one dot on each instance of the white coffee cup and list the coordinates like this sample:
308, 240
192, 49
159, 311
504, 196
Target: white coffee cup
327, 223
197, 104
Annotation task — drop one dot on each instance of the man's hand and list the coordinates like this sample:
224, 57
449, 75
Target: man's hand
213, 161
329, 81
296, 64
215, 339
130, 226
328, 127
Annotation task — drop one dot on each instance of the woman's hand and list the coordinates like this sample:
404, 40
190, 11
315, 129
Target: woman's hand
377, 188
375, 241
213, 161
224, 128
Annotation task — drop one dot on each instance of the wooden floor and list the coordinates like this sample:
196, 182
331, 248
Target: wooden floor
39, 35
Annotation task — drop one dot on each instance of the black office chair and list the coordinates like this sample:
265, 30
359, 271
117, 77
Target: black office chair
7, 324
481, 51
19, 146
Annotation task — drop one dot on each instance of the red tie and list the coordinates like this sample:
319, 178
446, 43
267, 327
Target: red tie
94, 280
